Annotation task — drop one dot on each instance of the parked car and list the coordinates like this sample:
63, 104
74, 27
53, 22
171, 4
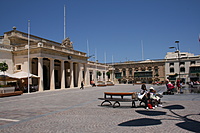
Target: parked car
33, 88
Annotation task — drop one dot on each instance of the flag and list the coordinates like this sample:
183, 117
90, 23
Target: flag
199, 37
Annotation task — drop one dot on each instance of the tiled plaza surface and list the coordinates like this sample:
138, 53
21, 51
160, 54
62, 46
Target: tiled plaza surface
79, 111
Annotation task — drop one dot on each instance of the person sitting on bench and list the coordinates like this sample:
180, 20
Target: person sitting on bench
144, 91
154, 97
170, 88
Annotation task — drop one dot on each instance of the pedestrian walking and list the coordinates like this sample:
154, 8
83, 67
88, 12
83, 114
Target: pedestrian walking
82, 85
178, 86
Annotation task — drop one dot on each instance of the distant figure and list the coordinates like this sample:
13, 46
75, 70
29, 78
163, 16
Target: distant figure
178, 86
93, 83
82, 85
166, 83
191, 84
170, 87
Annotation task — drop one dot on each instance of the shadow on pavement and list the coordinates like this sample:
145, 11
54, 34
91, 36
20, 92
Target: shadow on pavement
193, 126
151, 113
187, 123
141, 122
174, 107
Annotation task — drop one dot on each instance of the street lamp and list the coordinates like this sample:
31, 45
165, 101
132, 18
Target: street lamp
177, 51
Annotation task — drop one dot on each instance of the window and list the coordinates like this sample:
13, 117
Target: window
192, 62
182, 63
18, 67
143, 68
149, 68
124, 73
171, 64
130, 72
182, 69
156, 70
171, 70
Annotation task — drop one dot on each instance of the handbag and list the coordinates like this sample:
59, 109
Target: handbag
140, 96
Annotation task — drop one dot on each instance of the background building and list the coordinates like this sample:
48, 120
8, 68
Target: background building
148, 71
188, 66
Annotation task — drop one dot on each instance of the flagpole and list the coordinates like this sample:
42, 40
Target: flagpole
105, 66
96, 66
199, 40
28, 55
112, 70
142, 50
64, 23
88, 51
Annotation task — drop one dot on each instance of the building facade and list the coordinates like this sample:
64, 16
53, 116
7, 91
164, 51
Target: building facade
148, 71
186, 67
58, 65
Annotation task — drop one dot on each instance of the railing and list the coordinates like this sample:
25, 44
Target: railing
48, 46
6, 47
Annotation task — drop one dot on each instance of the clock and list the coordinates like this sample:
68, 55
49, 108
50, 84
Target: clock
69, 57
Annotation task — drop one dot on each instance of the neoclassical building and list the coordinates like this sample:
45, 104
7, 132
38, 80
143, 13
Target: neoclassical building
186, 66
58, 65
148, 71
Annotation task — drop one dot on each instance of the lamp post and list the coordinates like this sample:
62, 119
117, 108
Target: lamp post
177, 51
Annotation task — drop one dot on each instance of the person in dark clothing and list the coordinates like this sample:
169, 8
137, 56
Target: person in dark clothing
145, 98
82, 85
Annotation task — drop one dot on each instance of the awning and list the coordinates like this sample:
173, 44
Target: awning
23, 75
4, 76
172, 74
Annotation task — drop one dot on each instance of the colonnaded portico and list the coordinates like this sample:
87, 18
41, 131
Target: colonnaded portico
55, 73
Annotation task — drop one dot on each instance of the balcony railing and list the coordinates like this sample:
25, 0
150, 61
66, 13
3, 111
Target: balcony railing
6, 47
36, 40
49, 46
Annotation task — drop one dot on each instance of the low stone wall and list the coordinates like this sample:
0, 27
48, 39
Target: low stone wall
4, 90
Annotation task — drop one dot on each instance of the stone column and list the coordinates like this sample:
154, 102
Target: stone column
79, 74
71, 75
40, 73
127, 72
86, 79
52, 76
62, 74
76, 74
106, 77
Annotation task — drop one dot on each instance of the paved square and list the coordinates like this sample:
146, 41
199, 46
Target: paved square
79, 111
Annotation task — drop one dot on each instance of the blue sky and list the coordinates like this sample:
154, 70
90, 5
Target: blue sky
114, 27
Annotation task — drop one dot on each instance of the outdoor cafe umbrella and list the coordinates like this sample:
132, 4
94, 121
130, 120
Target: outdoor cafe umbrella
4, 76
23, 75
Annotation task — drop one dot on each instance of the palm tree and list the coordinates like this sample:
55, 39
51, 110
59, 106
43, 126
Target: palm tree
3, 68
108, 74
98, 74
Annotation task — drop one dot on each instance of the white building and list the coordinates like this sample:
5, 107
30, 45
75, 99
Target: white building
57, 64
186, 67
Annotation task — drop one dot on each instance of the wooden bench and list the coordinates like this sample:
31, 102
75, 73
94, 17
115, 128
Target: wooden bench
118, 97
11, 94
9, 91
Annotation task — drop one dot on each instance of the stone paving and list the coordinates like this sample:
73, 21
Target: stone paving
79, 111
